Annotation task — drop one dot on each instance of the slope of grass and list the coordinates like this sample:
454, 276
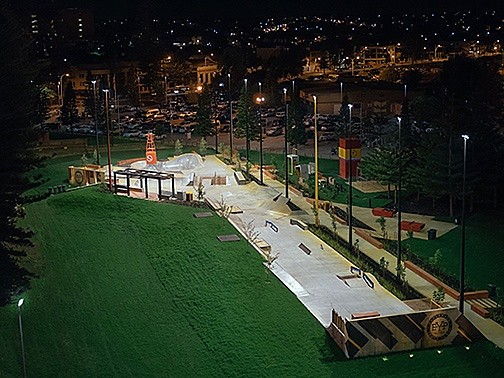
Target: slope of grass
484, 249
134, 288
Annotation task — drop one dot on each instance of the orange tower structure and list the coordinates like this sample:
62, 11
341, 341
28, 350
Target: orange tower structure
349, 149
150, 150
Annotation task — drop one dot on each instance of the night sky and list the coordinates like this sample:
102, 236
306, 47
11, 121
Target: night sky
260, 8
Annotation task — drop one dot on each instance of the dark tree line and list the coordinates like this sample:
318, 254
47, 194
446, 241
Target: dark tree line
18, 115
466, 99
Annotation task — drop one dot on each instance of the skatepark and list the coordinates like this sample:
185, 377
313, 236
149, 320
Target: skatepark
333, 289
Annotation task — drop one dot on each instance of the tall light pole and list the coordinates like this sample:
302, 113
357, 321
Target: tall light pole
462, 242
405, 91
20, 303
107, 92
60, 87
399, 249
230, 120
259, 101
350, 106
96, 123
317, 221
341, 92
285, 144
116, 102
139, 94
247, 131
166, 91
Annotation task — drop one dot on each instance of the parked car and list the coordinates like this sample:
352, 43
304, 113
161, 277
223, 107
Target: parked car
132, 134
274, 131
326, 136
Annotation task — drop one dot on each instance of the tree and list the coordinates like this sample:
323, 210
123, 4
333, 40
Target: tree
389, 74
69, 108
296, 132
436, 259
203, 147
438, 296
383, 265
247, 125
18, 115
131, 86
178, 147
429, 175
334, 221
466, 100
177, 71
381, 165
204, 125
42, 103
200, 191
344, 110
382, 222
285, 65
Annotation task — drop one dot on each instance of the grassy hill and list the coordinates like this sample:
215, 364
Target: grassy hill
134, 288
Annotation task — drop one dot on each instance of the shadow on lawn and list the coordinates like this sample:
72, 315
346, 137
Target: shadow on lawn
331, 352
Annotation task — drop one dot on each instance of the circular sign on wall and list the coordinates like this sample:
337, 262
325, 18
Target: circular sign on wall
78, 177
439, 327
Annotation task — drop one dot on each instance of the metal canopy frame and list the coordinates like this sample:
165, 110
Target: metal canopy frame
143, 174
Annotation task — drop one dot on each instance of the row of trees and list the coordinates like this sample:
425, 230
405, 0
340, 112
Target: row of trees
248, 123
21, 108
465, 100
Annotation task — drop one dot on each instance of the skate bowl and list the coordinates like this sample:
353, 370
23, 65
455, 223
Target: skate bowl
178, 164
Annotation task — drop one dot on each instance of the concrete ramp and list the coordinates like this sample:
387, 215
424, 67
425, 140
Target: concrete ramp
277, 205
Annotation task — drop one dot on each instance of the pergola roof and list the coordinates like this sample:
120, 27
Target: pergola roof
143, 173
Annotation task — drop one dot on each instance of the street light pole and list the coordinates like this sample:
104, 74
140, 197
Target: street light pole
260, 100
350, 106
108, 137
317, 221
462, 242
230, 120
399, 249
116, 103
247, 131
20, 303
166, 92
96, 123
341, 93
60, 91
285, 144
139, 94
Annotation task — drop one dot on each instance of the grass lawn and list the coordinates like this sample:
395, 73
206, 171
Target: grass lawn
134, 288
484, 249
329, 168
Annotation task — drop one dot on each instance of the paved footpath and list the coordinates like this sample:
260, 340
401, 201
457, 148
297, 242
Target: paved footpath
316, 279
492, 331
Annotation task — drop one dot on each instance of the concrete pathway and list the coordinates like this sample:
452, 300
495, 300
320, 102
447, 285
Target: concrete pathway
317, 279
492, 331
